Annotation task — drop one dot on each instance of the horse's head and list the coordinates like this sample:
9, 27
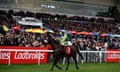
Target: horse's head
47, 44
51, 40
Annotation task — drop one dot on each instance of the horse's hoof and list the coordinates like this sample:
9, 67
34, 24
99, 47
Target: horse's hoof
51, 71
82, 61
66, 70
60, 68
77, 67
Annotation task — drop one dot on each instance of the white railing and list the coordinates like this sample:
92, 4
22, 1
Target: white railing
19, 50
27, 50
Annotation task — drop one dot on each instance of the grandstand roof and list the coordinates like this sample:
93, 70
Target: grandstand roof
54, 6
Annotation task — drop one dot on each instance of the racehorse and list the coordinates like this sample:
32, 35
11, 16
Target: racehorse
59, 52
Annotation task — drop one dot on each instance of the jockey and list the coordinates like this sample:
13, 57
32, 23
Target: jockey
65, 39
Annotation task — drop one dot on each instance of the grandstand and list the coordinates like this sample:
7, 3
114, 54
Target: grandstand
93, 25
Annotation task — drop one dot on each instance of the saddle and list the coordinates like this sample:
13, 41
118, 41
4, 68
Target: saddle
67, 50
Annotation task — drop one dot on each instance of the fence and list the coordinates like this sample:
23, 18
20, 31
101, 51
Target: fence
90, 56
99, 56
23, 55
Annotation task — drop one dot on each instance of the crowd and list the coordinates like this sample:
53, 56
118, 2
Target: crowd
12, 38
77, 23
84, 24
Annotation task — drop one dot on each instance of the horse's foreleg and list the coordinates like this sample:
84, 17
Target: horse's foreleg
55, 64
68, 62
58, 67
74, 57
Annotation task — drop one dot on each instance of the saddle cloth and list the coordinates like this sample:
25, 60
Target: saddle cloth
67, 50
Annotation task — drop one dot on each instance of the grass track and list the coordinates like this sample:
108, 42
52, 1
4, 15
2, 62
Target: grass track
86, 67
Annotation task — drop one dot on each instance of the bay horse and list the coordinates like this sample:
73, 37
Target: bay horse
59, 52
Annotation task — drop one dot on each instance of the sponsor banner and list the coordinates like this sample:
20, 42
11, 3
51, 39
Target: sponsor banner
113, 56
25, 57
4, 57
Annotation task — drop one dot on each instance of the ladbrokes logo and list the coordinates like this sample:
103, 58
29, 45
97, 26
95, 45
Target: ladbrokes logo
4, 55
29, 55
114, 55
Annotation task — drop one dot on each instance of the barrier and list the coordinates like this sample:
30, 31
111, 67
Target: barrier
113, 56
22, 55
99, 56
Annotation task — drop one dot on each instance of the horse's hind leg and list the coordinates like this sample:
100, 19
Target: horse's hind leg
68, 62
80, 54
74, 57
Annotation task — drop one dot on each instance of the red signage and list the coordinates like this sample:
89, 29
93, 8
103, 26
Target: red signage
113, 56
22, 57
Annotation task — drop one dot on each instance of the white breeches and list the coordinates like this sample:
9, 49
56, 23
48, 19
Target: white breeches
67, 43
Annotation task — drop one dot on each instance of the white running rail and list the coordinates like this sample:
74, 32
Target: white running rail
20, 50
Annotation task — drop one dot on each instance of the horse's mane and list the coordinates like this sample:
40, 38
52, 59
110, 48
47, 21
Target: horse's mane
53, 43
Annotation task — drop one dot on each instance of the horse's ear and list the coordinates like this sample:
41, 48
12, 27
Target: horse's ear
47, 33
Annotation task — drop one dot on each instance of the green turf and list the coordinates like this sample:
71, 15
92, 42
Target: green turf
86, 67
